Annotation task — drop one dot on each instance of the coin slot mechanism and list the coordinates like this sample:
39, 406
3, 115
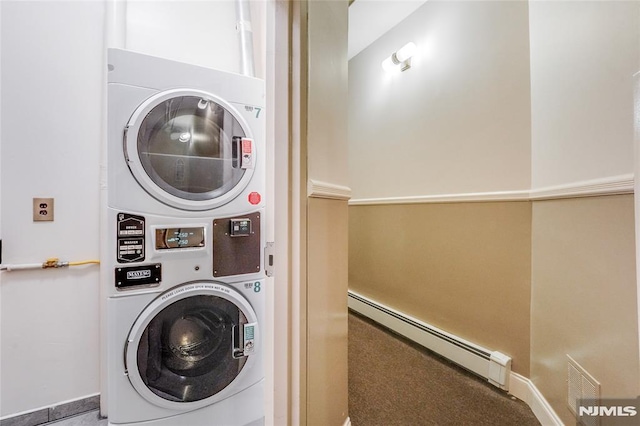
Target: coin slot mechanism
236, 254
240, 227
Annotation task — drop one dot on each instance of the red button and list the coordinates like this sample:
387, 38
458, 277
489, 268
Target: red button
255, 198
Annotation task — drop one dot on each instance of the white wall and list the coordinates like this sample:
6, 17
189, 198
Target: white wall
51, 107
0, 194
328, 74
52, 86
195, 32
582, 89
459, 120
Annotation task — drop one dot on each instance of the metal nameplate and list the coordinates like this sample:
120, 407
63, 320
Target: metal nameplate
131, 276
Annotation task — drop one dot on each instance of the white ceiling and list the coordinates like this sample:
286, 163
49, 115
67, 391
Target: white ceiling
369, 19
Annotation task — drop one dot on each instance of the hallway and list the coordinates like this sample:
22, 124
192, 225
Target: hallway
395, 382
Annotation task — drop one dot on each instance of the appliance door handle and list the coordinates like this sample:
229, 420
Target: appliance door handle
247, 347
236, 349
236, 152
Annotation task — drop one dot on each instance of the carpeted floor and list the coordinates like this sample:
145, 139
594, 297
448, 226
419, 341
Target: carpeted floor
395, 382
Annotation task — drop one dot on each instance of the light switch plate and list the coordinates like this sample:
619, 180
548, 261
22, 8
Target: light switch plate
43, 209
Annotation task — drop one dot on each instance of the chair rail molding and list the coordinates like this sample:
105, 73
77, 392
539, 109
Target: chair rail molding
613, 185
319, 189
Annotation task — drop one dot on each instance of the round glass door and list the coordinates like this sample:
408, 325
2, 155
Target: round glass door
183, 147
190, 347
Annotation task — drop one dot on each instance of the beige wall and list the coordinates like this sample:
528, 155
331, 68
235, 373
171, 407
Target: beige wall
327, 251
584, 296
463, 267
584, 302
455, 124
327, 312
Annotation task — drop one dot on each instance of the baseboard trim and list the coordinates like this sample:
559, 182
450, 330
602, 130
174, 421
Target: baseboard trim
614, 185
517, 385
53, 412
524, 389
490, 365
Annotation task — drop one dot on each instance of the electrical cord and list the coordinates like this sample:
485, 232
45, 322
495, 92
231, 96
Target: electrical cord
84, 262
50, 263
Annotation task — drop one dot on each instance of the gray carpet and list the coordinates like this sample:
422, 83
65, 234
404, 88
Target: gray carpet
395, 382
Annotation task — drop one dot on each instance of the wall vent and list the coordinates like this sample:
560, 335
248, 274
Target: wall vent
581, 385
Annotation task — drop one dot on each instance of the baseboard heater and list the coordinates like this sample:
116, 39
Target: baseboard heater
491, 365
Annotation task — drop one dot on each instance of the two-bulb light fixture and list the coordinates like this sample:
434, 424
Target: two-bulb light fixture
400, 60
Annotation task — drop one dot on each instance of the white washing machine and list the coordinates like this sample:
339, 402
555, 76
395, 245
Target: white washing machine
183, 253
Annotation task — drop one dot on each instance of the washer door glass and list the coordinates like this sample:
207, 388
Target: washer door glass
187, 351
186, 147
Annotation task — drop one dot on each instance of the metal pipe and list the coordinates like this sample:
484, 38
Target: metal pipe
116, 24
245, 35
21, 267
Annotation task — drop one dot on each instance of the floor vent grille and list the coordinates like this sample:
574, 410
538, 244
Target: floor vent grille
581, 386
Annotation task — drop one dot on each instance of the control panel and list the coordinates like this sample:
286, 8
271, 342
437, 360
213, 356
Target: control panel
179, 238
131, 238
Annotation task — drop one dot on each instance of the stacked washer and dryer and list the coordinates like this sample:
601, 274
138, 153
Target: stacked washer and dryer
183, 255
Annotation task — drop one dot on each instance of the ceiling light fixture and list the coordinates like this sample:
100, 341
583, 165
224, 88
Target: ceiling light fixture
400, 59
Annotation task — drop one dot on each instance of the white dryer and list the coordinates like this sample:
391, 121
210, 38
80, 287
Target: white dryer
182, 253
183, 139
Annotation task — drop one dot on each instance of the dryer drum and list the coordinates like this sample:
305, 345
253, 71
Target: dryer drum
185, 147
186, 352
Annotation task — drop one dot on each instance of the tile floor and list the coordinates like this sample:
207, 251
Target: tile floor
91, 418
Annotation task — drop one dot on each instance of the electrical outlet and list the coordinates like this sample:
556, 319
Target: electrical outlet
43, 209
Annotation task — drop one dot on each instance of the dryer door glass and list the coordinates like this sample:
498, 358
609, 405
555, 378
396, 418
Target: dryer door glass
185, 145
187, 352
